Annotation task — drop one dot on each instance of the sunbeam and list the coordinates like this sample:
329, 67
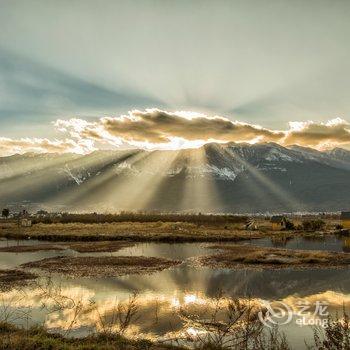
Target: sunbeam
282, 195
199, 189
160, 166
101, 183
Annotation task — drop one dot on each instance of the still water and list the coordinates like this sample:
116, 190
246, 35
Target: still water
160, 295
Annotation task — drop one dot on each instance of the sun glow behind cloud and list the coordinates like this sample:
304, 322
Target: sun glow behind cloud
157, 129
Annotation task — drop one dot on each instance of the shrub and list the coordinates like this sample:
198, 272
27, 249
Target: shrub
5, 212
313, 225
335, 336
290, 225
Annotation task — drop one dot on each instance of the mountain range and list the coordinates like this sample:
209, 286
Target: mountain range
216, 178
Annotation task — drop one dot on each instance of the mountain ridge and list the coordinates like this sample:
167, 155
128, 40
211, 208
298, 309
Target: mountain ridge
229, 177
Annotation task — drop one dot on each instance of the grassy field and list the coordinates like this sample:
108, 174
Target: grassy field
131, 231
145, 232
156, 228
95, 218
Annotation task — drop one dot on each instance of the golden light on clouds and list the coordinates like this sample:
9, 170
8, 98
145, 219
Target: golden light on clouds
157, 129
154, 128
10, 146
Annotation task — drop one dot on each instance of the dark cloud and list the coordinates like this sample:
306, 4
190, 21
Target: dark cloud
156, 126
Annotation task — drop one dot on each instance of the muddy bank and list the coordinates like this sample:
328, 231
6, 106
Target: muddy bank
30, 248
246, 256
80, 247
99, 247
102, 266
14, 278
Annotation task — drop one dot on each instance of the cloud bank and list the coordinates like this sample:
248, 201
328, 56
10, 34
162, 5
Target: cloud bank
154, 128
157, 129
19, 146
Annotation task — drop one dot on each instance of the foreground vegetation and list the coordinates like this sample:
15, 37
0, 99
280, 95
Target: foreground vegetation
251, 336
221, 323
35, 338
12, 338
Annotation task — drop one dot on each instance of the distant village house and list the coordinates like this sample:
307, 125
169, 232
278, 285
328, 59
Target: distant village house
278, 222
345, 219
26, 222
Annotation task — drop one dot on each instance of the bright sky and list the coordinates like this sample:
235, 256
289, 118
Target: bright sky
261, 62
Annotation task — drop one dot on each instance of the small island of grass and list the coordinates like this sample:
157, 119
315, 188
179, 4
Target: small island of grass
105, 266
248, 256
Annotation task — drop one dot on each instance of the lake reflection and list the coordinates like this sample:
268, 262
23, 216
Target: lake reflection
328, 242
160, 295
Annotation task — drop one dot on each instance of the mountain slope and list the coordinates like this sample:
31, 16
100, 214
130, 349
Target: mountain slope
215, 178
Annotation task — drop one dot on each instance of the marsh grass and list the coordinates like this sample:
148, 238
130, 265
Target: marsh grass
35, 338
12, 278
151, 231
143, 217
80, 247
111, 326
251, 256
335, 336
170, 232
231, 324
119, 318
12, 312
30, 248
96, 247
104, 266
